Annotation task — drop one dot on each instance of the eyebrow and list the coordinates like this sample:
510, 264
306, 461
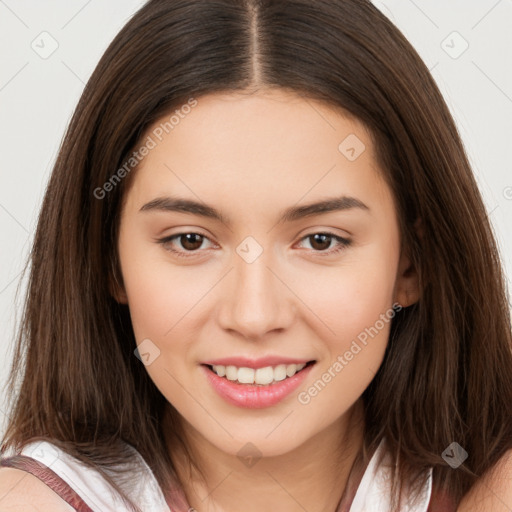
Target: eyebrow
293, 213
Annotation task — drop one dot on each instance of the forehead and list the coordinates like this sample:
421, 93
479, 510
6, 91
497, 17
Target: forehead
258, 150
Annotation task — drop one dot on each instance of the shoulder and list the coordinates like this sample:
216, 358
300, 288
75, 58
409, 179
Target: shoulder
20, 491
493, 491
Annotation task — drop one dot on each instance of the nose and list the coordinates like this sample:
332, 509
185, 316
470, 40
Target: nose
256, 300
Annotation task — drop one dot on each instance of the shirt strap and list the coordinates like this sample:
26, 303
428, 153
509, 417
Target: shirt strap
441, 501
49, 478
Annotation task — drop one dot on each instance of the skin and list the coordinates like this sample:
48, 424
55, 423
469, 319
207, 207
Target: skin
268, 152
252, 156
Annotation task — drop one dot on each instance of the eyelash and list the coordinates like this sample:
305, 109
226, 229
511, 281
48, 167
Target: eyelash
342, 243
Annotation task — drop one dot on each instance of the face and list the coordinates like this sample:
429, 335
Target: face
254, 280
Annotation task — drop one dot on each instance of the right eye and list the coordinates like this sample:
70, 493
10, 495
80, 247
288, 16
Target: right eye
190, 243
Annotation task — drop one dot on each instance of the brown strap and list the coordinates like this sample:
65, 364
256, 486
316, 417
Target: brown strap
48, 477
441, 501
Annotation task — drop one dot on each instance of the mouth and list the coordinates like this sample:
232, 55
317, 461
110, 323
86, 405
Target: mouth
267, 376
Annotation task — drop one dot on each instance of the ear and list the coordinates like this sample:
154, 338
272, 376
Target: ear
116, 287
407, 286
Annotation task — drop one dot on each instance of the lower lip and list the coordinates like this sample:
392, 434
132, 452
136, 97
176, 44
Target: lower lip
253, 396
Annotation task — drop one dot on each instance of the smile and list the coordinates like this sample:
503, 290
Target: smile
256, 388
262, 376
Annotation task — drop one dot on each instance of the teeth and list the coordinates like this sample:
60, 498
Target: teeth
231, 373
261, 376
291, 369
245, 375
280, 372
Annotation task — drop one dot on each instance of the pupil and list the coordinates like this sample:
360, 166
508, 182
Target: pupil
322, 238
189, 242
192, 241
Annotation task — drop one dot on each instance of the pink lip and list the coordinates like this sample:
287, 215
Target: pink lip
253, 396
255, 363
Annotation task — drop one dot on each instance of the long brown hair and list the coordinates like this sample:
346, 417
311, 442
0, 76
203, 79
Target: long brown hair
447, 371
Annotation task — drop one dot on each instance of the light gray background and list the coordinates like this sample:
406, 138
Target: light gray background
38, 95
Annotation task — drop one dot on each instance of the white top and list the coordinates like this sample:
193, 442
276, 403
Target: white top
374, 491
372, 494
94, 490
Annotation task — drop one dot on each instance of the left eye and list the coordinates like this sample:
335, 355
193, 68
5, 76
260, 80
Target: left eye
192, 242
322, 241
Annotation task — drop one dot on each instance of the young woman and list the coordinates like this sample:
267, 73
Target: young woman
263, 276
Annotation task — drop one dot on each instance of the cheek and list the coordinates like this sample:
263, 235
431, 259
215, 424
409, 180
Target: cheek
350, 297
160, 294
359, 316
162, 301
346, 298
151, 300
354, 301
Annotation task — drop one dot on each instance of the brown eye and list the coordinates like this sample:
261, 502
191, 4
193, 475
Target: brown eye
185, 244
191, 241
320, 241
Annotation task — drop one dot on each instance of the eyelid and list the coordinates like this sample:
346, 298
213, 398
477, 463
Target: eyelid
342, 242
186, 254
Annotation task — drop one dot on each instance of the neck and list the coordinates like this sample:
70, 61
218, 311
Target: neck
312, 477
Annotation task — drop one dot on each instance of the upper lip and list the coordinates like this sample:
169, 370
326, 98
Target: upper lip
246, 362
